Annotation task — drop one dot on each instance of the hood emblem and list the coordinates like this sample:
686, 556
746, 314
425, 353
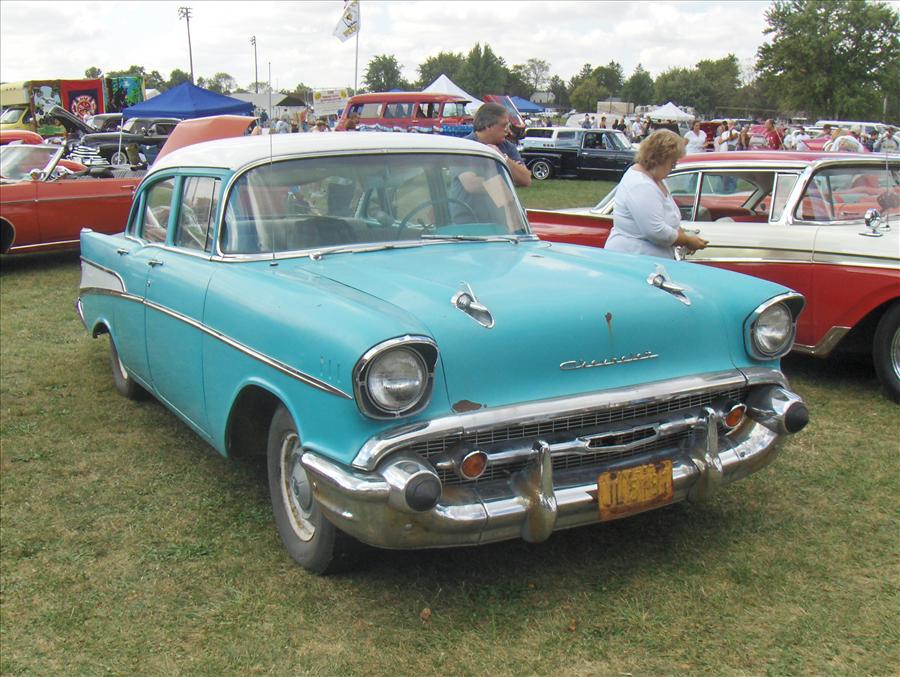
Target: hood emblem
608, 362
466, 301
660, 278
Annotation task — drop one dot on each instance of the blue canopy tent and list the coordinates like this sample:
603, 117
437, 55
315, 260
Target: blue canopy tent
526, 106
188, 101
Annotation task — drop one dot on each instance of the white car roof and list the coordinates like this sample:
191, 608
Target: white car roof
238, 152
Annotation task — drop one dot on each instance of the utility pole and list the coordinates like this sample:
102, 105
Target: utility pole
255, 69
185, 13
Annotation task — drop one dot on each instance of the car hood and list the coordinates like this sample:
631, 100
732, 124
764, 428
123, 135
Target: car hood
566, 319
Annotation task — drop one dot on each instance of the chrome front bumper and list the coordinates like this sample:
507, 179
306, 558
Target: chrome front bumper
535, 500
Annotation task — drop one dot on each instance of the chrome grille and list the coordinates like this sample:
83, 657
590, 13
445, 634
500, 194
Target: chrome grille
576, 425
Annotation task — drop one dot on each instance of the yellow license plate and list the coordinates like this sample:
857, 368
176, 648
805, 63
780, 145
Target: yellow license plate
625, 492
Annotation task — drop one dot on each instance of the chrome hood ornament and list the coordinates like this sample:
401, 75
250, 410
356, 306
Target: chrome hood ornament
466, 301
660, 278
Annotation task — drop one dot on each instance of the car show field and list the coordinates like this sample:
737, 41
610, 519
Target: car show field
129, 546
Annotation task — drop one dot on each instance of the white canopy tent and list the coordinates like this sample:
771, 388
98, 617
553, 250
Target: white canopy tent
669, 112
444, 85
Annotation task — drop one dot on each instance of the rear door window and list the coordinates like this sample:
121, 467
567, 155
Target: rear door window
199, 203
157, 208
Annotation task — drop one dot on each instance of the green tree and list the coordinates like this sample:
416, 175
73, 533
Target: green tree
586, 95
536, 72
609, 77
176, 77
638, 89
557, 87
93, 72
221, 83
384, 74
517, 83
483, 73
678, 85
444, 63
834, 58
580, 77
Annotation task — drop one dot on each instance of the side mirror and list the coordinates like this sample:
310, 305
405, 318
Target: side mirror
873, 222
36, 175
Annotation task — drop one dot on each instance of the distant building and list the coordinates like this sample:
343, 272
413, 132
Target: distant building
543, 98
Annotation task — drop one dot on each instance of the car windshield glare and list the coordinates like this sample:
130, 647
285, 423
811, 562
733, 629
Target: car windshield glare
846, 193
312, 203
17, 161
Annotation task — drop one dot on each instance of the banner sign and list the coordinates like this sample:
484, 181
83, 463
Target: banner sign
348, 25
329, 101
44, 96
82, 98
123, 92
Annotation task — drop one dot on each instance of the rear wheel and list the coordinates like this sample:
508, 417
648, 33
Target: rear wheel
118, 157
125, 384
310, 539
541, 170
886, 351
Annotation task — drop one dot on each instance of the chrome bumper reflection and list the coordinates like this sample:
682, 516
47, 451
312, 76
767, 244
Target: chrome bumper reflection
533, 501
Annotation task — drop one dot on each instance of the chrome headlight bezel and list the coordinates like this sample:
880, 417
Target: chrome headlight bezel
792, 303
422, 348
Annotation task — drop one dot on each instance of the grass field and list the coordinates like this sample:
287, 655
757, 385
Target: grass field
129, 547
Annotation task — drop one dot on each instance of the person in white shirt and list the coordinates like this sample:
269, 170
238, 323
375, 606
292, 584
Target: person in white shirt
637, 130
887, 142
696, 139
800, 139
646, 219
729, 138
845, 142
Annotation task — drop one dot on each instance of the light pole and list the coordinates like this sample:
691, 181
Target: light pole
185, 13
255, 69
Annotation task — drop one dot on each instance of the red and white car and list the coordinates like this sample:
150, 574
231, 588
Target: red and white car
824, 224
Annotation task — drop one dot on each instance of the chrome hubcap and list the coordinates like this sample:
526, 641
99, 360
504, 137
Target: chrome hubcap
541, 171
295, 488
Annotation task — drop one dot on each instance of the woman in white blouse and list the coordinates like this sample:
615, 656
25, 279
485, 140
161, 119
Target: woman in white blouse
696, 139
646, 219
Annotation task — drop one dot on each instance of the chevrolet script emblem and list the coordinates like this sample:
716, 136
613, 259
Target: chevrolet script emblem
608, 362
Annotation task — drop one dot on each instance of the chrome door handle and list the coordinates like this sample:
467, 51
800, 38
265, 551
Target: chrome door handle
154, 262
121, 251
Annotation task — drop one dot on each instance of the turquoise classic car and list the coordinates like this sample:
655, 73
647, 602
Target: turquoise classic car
372, 313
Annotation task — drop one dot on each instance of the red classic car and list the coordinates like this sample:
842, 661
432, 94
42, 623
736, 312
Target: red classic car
407, 111
46, 200
8, 136
824, 224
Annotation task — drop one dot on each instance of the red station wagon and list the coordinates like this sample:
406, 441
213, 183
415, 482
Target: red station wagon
406, 111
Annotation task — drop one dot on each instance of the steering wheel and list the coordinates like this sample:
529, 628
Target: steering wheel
404, 222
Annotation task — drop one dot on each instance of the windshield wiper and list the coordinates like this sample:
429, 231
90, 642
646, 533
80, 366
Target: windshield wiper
472, 238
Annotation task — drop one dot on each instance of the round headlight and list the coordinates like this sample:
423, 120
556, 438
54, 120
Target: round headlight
397, 379
773, 330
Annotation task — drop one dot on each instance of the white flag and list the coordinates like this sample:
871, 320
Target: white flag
349, 23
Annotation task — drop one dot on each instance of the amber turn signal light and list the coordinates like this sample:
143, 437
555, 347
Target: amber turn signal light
734, 417
472, 465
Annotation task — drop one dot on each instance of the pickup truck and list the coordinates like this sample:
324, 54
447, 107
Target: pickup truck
595, 153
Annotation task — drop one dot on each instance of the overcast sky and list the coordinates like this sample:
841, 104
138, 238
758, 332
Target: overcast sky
61, 39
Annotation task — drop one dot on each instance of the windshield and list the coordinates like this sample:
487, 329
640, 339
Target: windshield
16, 161
311, 203
10, 115
845, 193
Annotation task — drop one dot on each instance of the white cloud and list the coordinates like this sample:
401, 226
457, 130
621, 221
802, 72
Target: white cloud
62, 39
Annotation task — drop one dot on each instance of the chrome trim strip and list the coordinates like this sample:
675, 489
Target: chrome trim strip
237, 345
43, 244
377, 447
94, 276
824, 347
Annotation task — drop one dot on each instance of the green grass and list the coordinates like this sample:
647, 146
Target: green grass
129, 547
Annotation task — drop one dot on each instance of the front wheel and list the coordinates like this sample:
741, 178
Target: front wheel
310, 539
118, 157
886, 351
541, 170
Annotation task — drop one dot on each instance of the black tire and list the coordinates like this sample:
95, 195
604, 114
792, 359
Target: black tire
118, 157
886, 351
125, 384
310, 539
541, 170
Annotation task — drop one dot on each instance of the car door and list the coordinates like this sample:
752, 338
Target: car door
66, 204
741, 212
176, 291
594, 155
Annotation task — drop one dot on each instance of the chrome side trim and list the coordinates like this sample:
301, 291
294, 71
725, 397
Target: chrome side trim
377, 447
94, 276
237, 345
824, 347
43, 244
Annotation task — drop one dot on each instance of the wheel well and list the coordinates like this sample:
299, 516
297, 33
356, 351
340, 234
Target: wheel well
7, 235
860, 338
248, 424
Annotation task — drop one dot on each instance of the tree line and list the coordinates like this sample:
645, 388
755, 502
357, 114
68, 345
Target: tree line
826, 58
